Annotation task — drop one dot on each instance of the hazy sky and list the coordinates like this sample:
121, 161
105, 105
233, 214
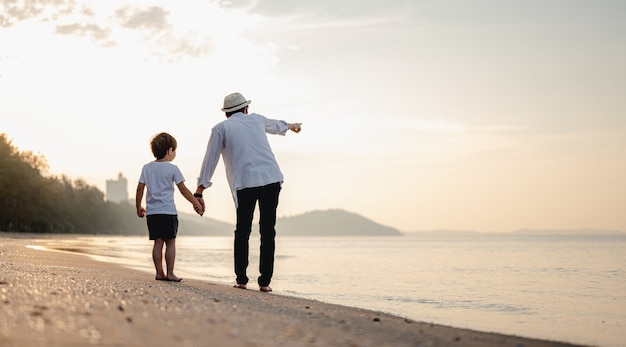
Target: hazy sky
484, 115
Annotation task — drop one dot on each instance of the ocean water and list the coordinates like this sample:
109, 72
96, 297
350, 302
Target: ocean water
564, 288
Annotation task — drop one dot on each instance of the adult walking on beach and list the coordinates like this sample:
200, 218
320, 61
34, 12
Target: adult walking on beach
253, 175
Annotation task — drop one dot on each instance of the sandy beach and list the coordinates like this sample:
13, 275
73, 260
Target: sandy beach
53, 298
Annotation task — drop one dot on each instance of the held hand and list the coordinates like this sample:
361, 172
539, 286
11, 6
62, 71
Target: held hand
201, 201
199, 208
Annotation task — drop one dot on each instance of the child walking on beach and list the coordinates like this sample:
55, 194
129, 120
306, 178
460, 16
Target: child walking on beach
159, 177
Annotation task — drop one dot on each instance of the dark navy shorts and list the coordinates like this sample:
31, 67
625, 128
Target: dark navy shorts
162, 226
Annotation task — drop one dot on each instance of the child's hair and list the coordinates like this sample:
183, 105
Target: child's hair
161, 143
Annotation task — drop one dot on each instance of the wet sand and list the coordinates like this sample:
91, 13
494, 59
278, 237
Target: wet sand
52, 298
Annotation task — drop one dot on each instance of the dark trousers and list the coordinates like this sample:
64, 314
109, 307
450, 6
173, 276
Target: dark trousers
267, 196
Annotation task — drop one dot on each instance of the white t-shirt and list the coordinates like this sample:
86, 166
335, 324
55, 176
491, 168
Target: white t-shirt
160, 178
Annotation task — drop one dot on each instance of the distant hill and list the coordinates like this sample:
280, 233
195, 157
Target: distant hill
332, 223
314, 223
192, 224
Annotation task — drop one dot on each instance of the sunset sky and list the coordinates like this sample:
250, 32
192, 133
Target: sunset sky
472, 115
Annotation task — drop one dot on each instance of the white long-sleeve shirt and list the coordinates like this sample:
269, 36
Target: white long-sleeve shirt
242, 141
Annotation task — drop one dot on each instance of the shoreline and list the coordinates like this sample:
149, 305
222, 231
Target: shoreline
56, 298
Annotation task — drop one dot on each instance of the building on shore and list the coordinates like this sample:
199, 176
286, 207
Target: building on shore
117, 190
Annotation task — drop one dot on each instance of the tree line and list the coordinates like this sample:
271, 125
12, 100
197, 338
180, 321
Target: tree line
31, 201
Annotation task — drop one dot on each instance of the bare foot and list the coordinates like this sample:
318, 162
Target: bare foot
173, 278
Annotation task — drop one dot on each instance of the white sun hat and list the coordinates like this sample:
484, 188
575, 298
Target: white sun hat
235, 101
